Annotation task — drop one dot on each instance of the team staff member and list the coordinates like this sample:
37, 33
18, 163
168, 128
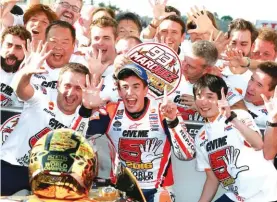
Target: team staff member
40, 116
229, 148
142, 130
12, 55
263, 81
35, 19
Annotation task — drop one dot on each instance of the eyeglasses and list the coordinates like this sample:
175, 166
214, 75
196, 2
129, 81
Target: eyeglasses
76, 9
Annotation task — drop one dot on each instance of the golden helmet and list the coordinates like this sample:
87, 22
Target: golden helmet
62, 165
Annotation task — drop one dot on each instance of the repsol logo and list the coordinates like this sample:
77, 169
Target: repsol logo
56, 124
214, 144
6, 89
135, 133
51, 84
39, 76
49, 112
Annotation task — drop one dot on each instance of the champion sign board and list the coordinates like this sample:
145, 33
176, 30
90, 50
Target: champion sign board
162, 65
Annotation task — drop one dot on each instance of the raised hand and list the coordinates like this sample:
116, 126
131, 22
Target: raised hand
221, 41
230, 160
168, 108
223, 105
91, 93
160, 38
95, 65
271, 106
148, 153
158, 9
202, 21
34, 58
234, 57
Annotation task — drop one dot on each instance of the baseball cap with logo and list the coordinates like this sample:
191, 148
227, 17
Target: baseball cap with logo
138, 70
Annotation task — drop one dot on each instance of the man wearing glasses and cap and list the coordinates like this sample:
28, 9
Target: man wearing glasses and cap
143, 131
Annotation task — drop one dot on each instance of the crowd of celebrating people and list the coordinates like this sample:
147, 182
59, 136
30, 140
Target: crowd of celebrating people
68, 66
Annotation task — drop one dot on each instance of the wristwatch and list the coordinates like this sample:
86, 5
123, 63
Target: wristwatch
271, 124
231, 117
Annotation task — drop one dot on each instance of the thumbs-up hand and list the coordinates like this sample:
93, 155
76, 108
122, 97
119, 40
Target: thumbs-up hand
168, 108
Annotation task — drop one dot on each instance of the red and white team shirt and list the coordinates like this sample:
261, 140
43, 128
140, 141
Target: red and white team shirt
258, 112
239, 168
185, 87
7, 94
109, 88
239, 82
48, 82
39, 116
142, 145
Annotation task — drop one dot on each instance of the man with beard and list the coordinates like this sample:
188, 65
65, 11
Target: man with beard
12, 55
264, 48
243, 34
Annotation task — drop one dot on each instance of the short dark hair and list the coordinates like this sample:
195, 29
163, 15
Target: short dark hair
241, 24
214, 83
74, 67
179, 20
126, 73
270, 68
169, 9
18, 31
130, 16
63, 24
206, 50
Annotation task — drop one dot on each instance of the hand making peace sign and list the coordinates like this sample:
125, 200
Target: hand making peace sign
168, 108
223, 105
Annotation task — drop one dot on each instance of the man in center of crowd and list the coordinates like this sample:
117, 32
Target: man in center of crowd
142, 130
